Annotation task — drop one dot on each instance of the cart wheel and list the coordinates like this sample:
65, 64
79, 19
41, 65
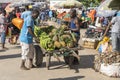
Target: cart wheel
71, 60
38, 56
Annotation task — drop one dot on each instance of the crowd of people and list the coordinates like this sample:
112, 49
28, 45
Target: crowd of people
26, 34
109, 26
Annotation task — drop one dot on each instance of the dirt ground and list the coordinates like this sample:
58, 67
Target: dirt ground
10, 67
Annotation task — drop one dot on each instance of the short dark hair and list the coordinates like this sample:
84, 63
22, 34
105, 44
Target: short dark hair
27, 7
35, 11
73, 13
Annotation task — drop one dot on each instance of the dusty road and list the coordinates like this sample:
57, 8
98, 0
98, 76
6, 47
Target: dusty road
10, 63
10, 67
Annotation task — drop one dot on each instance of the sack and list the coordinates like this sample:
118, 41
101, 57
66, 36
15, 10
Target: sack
18, 22
112, 70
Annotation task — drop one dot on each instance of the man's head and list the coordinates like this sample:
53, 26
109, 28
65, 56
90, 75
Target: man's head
17, 10
13, 12
73, 13
35, 13
26, 7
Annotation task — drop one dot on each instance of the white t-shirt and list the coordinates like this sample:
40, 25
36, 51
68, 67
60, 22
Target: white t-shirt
116, 24
2, 21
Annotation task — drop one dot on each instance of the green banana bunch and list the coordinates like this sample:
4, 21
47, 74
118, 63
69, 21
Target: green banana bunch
37, 31
46, 42
73, 37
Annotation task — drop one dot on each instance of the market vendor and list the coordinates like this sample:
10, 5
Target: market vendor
115, 22
26, 39
74, 24
75, 28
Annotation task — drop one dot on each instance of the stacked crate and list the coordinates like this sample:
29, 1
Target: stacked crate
90, 43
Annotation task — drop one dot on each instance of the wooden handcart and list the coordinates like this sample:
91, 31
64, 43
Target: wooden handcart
69, 55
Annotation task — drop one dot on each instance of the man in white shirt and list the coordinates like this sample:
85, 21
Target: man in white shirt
3, 28
115, 22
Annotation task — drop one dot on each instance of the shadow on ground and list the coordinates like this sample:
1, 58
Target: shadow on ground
55, 65
69, 78
16, 47
2, 50
86, 61
10, 56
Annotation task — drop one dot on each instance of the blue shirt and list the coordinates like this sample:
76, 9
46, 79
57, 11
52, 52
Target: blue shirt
73, 26
25, 36
105, 22
50, 13
25, 14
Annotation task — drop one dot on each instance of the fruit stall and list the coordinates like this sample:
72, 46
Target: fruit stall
56, 42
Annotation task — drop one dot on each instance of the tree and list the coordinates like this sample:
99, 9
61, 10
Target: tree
90, 3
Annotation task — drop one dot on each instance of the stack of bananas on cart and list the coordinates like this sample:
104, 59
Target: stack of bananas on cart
52, 38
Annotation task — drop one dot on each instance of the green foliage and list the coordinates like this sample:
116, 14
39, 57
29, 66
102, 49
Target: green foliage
87, 3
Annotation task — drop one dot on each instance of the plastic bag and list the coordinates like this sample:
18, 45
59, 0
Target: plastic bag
100, 49
18, 22
105, 39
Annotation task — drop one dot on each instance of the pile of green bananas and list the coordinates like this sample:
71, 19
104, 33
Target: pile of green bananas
37, 31
47, 33
46, 42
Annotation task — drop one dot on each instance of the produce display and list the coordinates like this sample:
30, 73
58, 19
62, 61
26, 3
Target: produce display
52, 38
